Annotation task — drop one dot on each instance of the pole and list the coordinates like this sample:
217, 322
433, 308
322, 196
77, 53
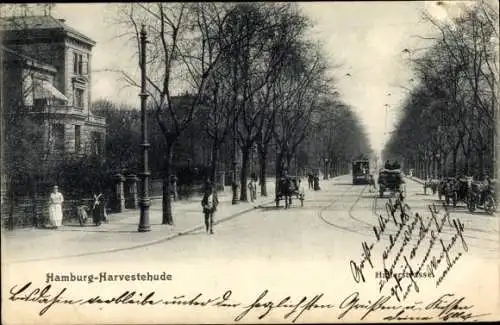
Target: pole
234, 184
144, 201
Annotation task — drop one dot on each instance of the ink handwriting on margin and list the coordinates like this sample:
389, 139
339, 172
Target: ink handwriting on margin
447, 307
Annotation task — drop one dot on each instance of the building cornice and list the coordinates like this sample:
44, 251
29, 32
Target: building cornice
79, 37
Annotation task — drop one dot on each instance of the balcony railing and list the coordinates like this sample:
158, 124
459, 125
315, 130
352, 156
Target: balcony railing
66, 110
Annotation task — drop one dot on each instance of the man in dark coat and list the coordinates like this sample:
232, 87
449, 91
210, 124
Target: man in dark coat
209, 204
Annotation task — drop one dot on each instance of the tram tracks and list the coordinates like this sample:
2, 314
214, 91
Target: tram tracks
333, 202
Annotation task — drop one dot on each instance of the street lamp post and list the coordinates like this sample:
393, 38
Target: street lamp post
234, 185
144, 201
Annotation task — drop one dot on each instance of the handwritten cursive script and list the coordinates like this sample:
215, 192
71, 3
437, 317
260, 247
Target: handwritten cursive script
446, 307
403, 260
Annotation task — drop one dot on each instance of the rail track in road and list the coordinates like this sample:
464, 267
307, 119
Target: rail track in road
337, 198
374, 212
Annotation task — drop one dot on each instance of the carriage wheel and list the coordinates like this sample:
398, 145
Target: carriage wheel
471, 205
489, 204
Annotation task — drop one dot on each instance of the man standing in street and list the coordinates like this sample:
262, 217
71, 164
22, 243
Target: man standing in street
209, 204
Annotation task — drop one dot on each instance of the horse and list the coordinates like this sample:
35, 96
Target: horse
286, 188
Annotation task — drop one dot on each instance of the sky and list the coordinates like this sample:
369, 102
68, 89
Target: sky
364, 40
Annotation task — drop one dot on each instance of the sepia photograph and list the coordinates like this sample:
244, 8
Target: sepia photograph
249, 162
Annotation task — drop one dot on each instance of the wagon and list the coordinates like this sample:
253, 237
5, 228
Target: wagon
286, 189
390, 180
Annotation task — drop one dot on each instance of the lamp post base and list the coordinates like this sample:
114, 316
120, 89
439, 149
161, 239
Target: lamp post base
143, 228
144, 218
235, 194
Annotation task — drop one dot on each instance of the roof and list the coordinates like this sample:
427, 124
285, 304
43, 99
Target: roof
29, 60
41, 23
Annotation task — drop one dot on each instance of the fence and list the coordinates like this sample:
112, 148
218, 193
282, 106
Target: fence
27, 211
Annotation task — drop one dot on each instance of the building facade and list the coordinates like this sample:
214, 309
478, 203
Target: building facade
46, 74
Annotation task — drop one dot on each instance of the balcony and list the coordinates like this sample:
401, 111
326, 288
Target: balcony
67, 111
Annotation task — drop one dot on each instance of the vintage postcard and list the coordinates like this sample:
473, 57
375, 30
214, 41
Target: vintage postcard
258, 162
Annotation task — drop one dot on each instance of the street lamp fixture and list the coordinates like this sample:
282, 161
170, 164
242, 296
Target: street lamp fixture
144, 200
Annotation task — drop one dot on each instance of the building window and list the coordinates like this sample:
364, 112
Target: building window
79, 94
58, 136
78, 138
78, 64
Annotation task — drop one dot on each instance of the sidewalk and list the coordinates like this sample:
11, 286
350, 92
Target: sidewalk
415, 179
121, 231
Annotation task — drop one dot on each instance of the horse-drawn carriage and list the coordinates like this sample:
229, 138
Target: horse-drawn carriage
391, 180
454, 190
473, 193
482, 195
288, 187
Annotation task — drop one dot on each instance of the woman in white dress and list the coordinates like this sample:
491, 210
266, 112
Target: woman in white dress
55, 208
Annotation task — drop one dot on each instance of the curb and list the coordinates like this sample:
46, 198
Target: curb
149, 243
417, 180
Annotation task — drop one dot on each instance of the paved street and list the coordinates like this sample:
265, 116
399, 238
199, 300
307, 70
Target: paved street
121, 232
269, 247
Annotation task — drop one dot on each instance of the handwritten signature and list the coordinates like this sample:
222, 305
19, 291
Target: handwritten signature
446, 307
399, 252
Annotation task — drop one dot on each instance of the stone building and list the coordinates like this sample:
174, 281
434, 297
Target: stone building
45, 77
46, 72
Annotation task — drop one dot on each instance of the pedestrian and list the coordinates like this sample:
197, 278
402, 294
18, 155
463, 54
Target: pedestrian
173, 182
316, 183
252, 186
99, 210
310, 180
209, 204
55, 208
301, 190
387, 165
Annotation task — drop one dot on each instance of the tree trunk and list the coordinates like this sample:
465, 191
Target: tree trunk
244, 171
279, 168
263, 164
288, 162
215, 157
167, 218
455, 158
481, 162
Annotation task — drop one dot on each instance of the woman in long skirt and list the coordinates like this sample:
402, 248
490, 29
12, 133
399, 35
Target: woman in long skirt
55, 208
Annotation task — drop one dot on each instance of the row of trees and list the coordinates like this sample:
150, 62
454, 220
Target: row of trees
254, 81
448, 125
